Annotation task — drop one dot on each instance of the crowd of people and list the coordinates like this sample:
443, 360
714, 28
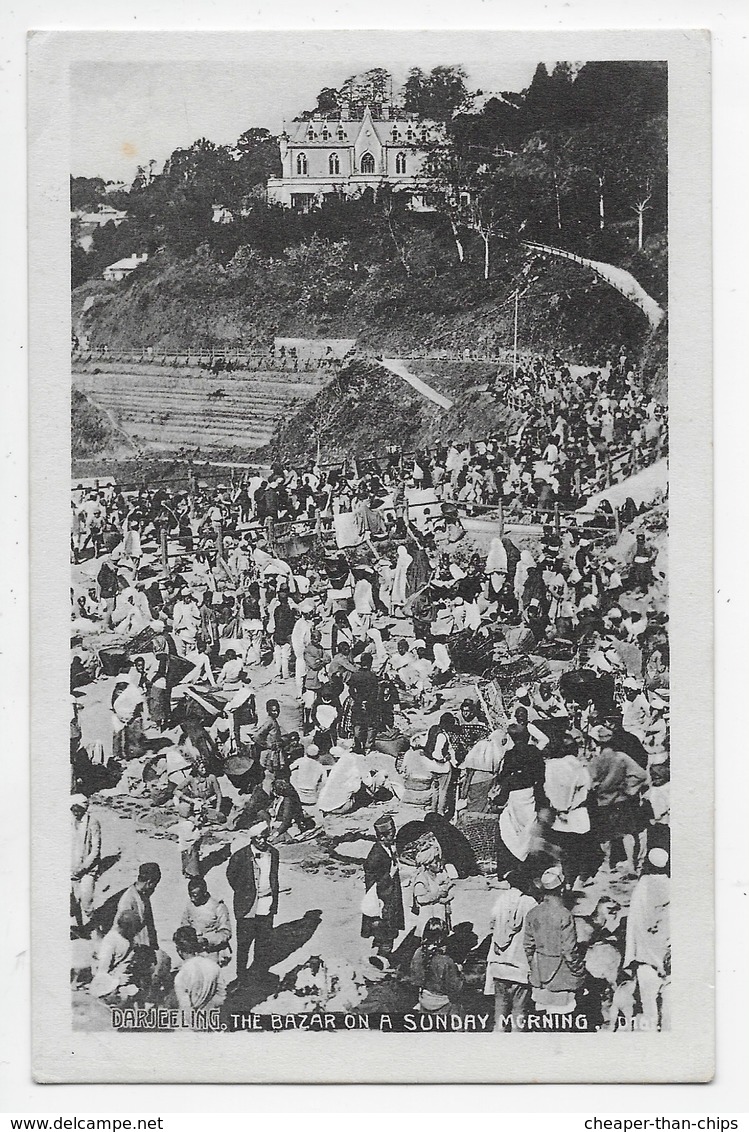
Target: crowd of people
499, 712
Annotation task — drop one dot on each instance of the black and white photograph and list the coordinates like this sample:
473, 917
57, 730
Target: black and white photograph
370, 605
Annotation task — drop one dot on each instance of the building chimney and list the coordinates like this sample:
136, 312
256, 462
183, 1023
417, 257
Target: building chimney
345, 110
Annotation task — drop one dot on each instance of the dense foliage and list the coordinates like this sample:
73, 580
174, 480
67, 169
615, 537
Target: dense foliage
578, 161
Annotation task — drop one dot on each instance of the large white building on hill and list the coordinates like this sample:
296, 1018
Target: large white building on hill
322, 157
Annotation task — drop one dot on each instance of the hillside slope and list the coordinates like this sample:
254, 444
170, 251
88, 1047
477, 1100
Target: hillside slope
365, 409
326, 288
169, 409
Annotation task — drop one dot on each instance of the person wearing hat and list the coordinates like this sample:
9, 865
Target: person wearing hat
555, 966
382, 873
648, 932
86, 861
252, 875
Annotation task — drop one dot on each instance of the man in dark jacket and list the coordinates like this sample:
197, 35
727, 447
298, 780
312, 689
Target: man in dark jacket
381, 873
364, 688
108, 588
550, 940
252, 874
283, 625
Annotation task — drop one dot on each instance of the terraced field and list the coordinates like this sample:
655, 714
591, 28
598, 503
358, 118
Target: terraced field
165, 410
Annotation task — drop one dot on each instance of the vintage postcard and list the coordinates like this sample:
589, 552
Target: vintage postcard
371, 556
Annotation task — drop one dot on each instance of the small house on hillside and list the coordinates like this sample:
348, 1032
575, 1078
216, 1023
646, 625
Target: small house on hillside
90, 222
123, 267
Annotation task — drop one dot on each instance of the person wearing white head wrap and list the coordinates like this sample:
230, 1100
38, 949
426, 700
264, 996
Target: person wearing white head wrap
308, 776
85, 860
648, 933
496, 567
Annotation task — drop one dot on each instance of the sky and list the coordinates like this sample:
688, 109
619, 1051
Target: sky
126, 111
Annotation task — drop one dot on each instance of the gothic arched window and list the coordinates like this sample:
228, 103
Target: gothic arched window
367, 163
334, 164
301, 164
400, 163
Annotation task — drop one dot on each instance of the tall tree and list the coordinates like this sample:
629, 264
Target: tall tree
436, 96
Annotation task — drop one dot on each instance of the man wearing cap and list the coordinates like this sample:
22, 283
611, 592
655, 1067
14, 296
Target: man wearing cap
381, 872
556, 968
252, 875
86, 860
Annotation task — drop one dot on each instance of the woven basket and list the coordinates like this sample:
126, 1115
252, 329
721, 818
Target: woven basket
480, 830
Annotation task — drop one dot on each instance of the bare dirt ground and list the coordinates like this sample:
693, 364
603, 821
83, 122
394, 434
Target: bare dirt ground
321, 880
